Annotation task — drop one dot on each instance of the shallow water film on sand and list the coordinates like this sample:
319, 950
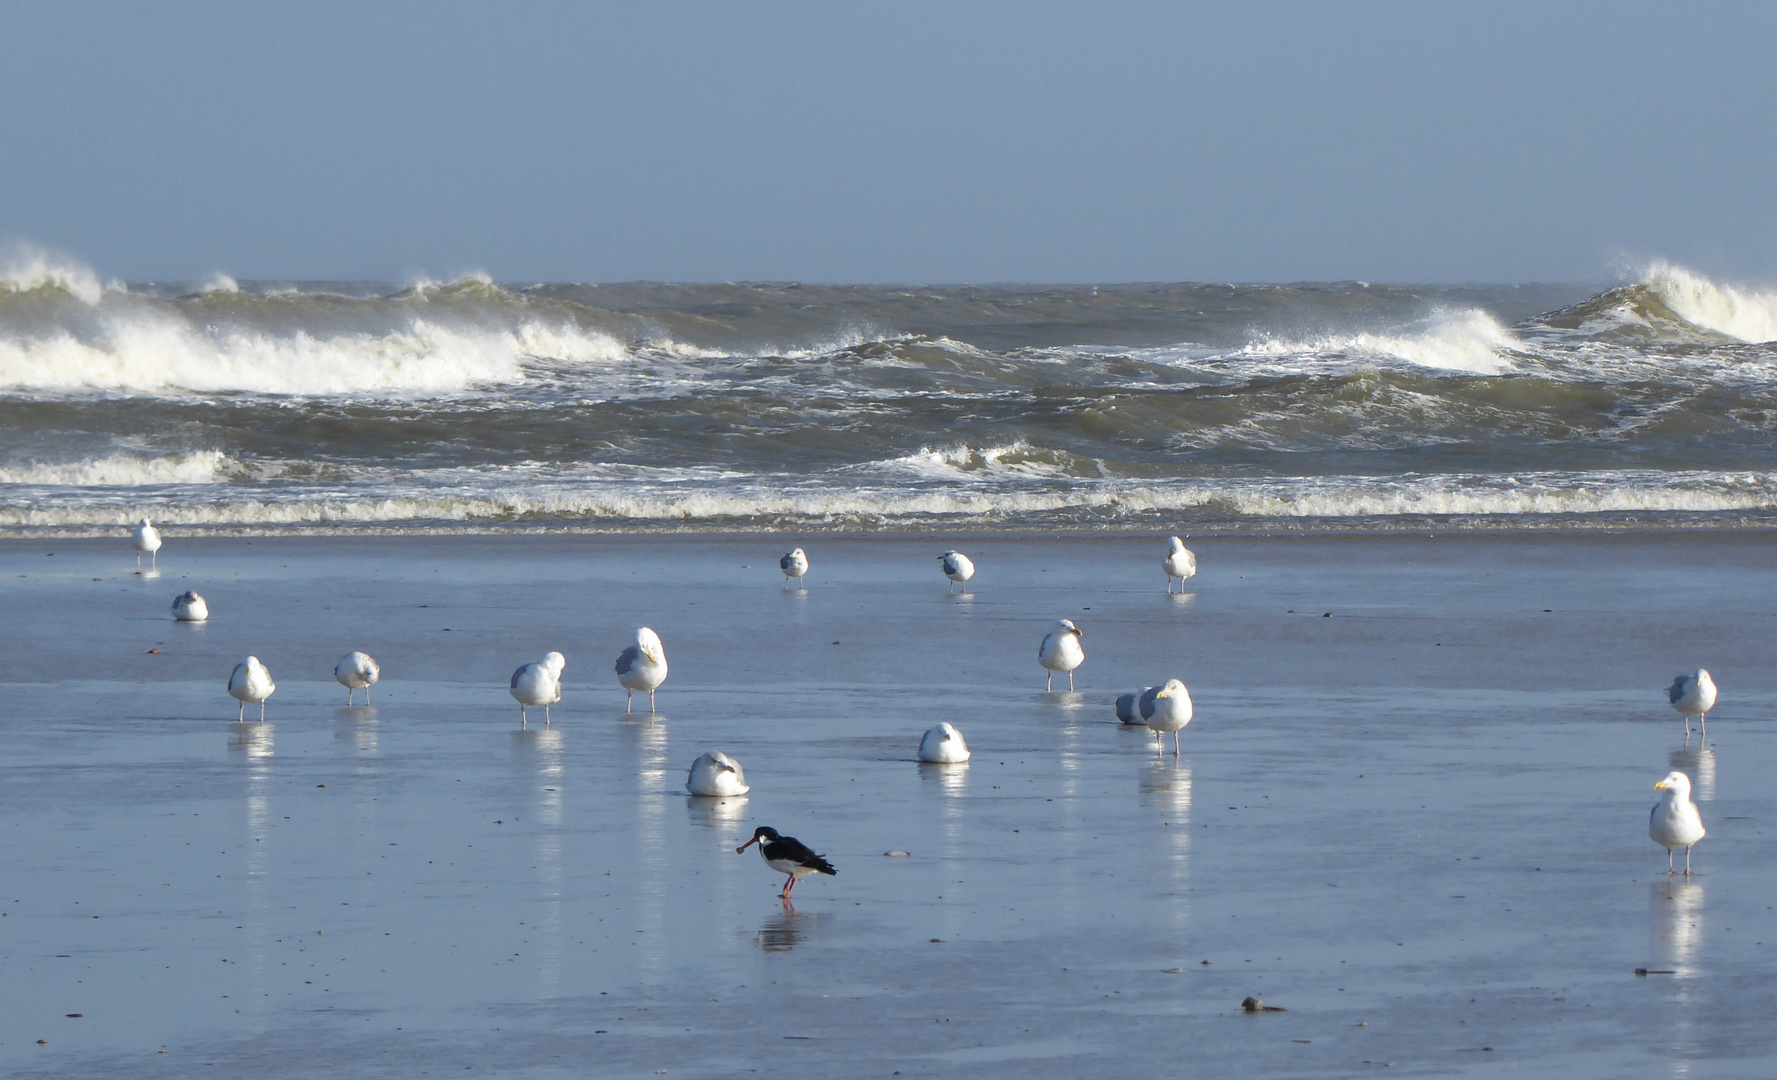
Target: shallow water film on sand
465, 405
1410, 814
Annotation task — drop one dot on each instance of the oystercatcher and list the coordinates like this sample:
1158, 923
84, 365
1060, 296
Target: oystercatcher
787, 855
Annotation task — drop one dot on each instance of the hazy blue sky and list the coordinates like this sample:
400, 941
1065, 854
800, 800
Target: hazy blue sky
940, 142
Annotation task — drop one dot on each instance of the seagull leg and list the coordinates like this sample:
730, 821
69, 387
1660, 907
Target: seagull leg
241, 717
629, 702
1051, 687
262, 712
1175, 745
547, 720
1070, 682
1669, 868
650, 703
524, 717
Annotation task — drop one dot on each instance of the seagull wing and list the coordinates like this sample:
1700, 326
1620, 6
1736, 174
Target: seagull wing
628, 660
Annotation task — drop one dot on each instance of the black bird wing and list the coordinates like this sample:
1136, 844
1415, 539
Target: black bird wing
628, 660
950, 566
516, 674
793, 850
784, 563
1676, 690
1149, 701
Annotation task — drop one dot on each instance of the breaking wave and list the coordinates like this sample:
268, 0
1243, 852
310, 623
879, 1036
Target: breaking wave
1469, 341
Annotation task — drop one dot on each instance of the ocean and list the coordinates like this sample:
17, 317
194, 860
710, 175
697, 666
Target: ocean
470, 405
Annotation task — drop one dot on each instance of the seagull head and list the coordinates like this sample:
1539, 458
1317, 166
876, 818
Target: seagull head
1067, 626
1676, 782
1173, 688
1175, 544
649, 643
555, 662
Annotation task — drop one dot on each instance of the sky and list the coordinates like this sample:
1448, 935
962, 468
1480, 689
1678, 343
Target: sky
892, 142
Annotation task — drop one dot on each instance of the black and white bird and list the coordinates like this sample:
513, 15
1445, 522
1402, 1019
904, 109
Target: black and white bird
146, 539
1674, 822
1693, 695
190, 607
357, 671
788, 856
538, 684
1061, 651
642, 666
1179, 563
794, 565
957, 568
943, 745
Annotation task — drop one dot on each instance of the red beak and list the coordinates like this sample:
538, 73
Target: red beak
746, 845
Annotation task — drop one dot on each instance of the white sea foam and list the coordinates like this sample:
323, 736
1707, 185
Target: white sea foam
479, 501
147, 350
1468, 340
26, 269
199, 467
220, 283
1739, 313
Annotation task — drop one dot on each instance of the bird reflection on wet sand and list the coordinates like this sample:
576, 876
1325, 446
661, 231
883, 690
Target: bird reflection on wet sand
785, 930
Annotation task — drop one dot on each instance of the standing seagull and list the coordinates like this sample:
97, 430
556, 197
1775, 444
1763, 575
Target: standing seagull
794, 565
716, 775
357, 671
1693, 695
1674, 822
1172, 711
957, 568
538, 684
1179, 563
146, 538
250, 682
190, 607
787, 855
1060, 651
642, 666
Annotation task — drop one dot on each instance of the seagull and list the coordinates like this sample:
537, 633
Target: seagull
1693, 695
787, 855
190, 607
642, 666
250, 682
943, 744
147, 541
1179, 563
1172, 711
794, 565
716, 775
1135, 708
1674, 822
357, 671
1060, 651
957, 568
538, 684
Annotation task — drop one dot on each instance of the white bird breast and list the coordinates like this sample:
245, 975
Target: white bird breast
943, 745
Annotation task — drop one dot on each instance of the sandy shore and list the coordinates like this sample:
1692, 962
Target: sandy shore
1417, 824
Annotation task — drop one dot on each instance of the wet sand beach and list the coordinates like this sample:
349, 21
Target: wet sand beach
1411, 810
